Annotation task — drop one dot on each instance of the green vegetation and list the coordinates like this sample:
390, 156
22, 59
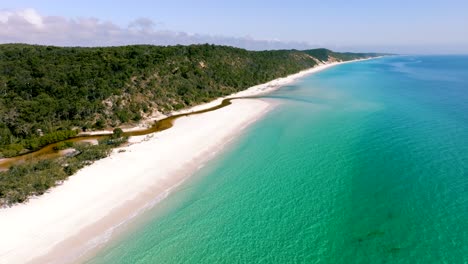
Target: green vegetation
327, 55
36, 177
48, 94
21, 181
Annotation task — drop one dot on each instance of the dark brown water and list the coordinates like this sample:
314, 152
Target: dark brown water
48, 151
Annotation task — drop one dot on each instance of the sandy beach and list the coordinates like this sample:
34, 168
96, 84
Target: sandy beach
74, 217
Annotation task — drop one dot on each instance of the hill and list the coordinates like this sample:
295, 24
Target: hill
49, 93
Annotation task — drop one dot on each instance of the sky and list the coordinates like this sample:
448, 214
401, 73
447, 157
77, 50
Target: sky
415, 27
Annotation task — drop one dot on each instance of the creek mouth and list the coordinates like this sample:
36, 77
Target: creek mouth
50, 151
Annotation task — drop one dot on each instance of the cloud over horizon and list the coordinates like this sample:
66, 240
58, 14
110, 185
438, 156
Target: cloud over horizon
28, 26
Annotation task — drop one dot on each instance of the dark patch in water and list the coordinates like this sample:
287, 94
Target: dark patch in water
290, 88
292, 98
370, 235
394, 250
374, 234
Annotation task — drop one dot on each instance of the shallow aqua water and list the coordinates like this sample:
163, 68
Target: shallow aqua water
363, 163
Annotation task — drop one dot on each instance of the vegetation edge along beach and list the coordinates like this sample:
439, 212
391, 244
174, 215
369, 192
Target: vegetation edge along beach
50, 94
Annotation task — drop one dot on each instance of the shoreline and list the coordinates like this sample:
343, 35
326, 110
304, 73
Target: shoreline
109, 193
146, 125
256, 90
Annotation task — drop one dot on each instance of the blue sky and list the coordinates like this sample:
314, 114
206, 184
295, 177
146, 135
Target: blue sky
392, 26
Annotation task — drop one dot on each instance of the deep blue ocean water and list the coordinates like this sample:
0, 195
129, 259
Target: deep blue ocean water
366, 162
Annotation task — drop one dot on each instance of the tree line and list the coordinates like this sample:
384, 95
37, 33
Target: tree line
49, 93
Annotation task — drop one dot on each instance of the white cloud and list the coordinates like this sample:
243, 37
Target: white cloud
28, 26
32, 17
4, 16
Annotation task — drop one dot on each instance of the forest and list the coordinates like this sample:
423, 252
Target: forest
48, 93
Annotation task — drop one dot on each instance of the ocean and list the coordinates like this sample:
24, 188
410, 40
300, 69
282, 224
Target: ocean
365, 162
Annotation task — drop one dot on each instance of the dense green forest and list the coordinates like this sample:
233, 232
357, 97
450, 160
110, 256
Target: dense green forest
50, 93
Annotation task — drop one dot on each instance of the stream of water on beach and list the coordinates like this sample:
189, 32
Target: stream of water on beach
363, 163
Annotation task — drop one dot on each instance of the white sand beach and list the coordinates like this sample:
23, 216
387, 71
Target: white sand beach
71, 218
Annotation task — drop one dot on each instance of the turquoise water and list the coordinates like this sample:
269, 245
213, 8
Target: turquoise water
363, 163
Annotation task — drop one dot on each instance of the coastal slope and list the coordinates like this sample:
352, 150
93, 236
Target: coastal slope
54, 94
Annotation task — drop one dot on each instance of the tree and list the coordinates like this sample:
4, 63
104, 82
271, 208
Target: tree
117, 133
